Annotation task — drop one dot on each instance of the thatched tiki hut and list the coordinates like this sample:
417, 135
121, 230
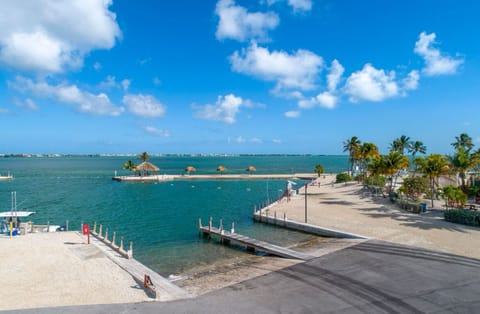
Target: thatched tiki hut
250, 169
221, 169
190, 169
147, 167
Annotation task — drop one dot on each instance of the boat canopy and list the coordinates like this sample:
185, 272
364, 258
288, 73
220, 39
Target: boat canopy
15, 214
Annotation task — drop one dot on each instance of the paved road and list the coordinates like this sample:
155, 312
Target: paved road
371, 277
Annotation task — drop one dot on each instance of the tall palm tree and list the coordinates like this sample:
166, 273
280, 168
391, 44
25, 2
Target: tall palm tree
401, 144
367, 152
352, 146
461, 162
144, 156
393, 163
417, 147
433, 167
464, 140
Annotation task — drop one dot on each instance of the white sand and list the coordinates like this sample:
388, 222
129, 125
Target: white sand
58, 268
348, 208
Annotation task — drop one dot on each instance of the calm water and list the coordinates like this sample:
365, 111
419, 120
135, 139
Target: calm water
160, 218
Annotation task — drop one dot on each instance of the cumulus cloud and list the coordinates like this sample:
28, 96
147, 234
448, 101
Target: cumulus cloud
82, 101
157, 132
145, 106
292, 114
411, 81
235, 22
111, 82
225, 109
277, 141
371, 84
48, 36
435, 62
327, 100
298, 70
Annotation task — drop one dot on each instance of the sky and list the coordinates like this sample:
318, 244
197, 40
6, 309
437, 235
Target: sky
236, 77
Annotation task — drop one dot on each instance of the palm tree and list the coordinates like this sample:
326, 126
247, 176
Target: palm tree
464, 140
433, 167
461, 162
129, 165
401, 144
393, 163
318, 169
144, 156
367, 152
352, 146
417, 147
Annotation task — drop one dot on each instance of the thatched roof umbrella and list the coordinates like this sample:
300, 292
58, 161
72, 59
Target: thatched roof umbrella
190, 169
221, 169
251, 169
147, 166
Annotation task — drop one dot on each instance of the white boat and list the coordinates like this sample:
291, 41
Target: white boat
11, 221
16, 218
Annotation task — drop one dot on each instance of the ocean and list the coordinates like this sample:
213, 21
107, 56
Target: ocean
160, 218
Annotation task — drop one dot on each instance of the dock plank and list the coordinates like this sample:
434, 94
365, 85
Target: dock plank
255, 243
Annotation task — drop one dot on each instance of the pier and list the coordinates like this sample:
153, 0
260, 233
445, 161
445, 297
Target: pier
184, 177
251, 244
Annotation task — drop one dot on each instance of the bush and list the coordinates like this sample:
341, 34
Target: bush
463, 216
343, 177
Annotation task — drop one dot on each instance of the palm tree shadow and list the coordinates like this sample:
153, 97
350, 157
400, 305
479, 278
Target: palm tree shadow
432, 222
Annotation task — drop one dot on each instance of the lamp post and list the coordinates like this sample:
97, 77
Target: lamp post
306, 184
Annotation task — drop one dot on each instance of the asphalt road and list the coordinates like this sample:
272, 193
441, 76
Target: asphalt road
371, 277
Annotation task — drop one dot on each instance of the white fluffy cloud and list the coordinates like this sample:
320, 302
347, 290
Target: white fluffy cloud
235, 22
157, 132
411, 81
225, 109
435, 63
49, 36
299, 70
145, 106
371, 84
83, 101
327, 100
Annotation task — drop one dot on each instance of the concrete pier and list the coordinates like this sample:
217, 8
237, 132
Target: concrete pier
164, 177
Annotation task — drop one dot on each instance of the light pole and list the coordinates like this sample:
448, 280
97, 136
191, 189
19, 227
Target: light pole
306, 184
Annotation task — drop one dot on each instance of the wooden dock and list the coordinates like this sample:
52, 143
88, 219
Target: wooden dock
165, 177
252, 244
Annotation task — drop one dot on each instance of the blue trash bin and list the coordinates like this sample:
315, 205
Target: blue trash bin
424, 207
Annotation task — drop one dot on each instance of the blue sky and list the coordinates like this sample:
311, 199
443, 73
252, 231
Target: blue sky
258, 76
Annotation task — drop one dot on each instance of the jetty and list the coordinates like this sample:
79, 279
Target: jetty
200, 177
250, 243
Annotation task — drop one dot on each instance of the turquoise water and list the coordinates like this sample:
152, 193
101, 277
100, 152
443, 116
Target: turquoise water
160, 218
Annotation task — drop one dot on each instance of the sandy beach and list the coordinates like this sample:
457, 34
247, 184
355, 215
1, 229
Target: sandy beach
55, 269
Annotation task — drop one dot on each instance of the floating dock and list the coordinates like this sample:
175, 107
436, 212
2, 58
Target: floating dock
165, 177
252, 244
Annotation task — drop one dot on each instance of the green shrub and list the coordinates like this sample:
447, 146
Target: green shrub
463, 216
343, 177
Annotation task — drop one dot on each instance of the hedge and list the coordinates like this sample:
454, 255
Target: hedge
463, 216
